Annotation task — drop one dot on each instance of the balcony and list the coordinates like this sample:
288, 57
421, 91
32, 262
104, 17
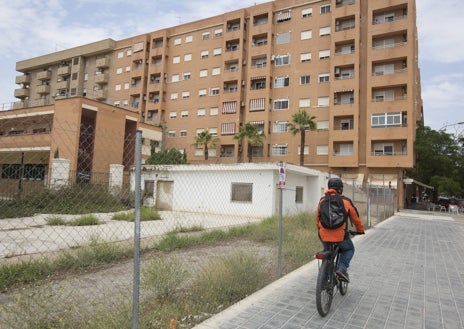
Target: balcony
44, 75
103, 62
21, 93
23, 79
62, 85
43, 89
102, 78
64, 70
101, 94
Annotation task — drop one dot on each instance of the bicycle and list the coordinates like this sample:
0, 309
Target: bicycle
327, 281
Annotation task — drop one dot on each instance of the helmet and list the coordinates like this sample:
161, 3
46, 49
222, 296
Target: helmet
336, 184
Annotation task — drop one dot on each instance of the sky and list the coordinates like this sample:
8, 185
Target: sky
31, 28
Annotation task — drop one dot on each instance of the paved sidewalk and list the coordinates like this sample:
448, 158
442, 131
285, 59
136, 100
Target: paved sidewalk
407, 272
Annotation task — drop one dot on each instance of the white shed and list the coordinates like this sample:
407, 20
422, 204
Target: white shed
245, 189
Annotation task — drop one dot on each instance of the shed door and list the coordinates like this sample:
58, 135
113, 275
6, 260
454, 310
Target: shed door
164, 195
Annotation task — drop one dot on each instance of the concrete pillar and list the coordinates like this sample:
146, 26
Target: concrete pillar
116, 178
59, 174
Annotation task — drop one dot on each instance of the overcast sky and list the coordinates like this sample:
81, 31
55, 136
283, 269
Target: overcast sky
31, 28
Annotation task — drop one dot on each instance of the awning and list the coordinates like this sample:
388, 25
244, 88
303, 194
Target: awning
413, 181
229, 107
228, 128
344, 91
259, 77
257, 123
284, 16
258, 104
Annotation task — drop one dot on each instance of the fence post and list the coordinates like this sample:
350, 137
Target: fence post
59, 174
116, 178
137, 190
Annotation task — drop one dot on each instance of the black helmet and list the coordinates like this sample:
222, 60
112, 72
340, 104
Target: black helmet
336, 184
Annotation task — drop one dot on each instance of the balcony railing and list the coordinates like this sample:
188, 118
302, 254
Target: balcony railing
390, 45
388, 19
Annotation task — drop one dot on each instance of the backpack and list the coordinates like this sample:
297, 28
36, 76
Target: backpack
332, 212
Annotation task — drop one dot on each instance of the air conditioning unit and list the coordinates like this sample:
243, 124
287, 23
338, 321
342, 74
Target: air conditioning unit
242, 104
339, 2
272, 58
243, 82
244, 62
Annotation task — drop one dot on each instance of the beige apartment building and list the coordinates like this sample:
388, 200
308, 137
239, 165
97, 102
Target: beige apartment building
352, 64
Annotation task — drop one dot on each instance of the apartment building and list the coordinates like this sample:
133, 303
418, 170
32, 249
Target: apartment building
352, 64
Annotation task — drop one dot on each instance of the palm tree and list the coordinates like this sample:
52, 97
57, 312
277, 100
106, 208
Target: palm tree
253, 135
205, 140
302, 121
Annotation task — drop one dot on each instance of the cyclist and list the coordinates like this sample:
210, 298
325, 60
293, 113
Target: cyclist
340, 234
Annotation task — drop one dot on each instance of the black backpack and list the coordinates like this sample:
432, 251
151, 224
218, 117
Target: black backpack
332, 213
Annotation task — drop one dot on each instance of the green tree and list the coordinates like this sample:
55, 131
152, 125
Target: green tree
170, 156
439, 161
253, 135
205, 140
302, 122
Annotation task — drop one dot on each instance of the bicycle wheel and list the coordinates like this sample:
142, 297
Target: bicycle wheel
324, 288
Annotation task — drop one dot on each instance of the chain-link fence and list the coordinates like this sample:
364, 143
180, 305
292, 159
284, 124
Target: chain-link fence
82, 246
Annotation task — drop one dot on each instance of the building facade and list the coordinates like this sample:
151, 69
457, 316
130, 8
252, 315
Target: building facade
352, 64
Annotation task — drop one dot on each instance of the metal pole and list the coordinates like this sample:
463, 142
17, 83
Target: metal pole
137, 187
279, 255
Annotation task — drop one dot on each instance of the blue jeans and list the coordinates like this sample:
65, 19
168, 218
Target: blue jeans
347, 248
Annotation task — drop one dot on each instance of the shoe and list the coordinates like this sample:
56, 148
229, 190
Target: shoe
342, 275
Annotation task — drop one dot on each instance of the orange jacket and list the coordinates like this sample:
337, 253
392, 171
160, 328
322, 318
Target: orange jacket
338, 234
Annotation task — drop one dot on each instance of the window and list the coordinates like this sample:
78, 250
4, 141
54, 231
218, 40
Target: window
174, 96
120, 54
172, 115
128, 52
128, 68
280, 82
242, 192
305, 80
346, 149
307, 12
187, 75
29, 171
216, 71
322, 125
323, 101
188, 38
177, 41
183, 133
171, 133
305, 150
184, 114
185, 94
324, 54
217, 51
214, 111
386, 119
74, 76
323, 31
305, 35
284, 16
322, 150
176, 60
281, 104
299, 194
117, 87
175, 78
324, 77
280, 127
282, 60
116, 103
279, 149
127, 85
203, 73
202, 92
325, 9
304, 102
383, 149
204, 54
205, 36
305, 57
213, 131
187, 57
214, 91
346, 124
201, 112
119, 70
283, 38
217, 33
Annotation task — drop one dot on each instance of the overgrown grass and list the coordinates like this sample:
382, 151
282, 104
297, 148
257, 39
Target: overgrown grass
76, 200
172, 293
146, 214
81, 221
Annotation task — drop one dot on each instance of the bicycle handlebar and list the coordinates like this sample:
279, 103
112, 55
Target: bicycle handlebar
355, 233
